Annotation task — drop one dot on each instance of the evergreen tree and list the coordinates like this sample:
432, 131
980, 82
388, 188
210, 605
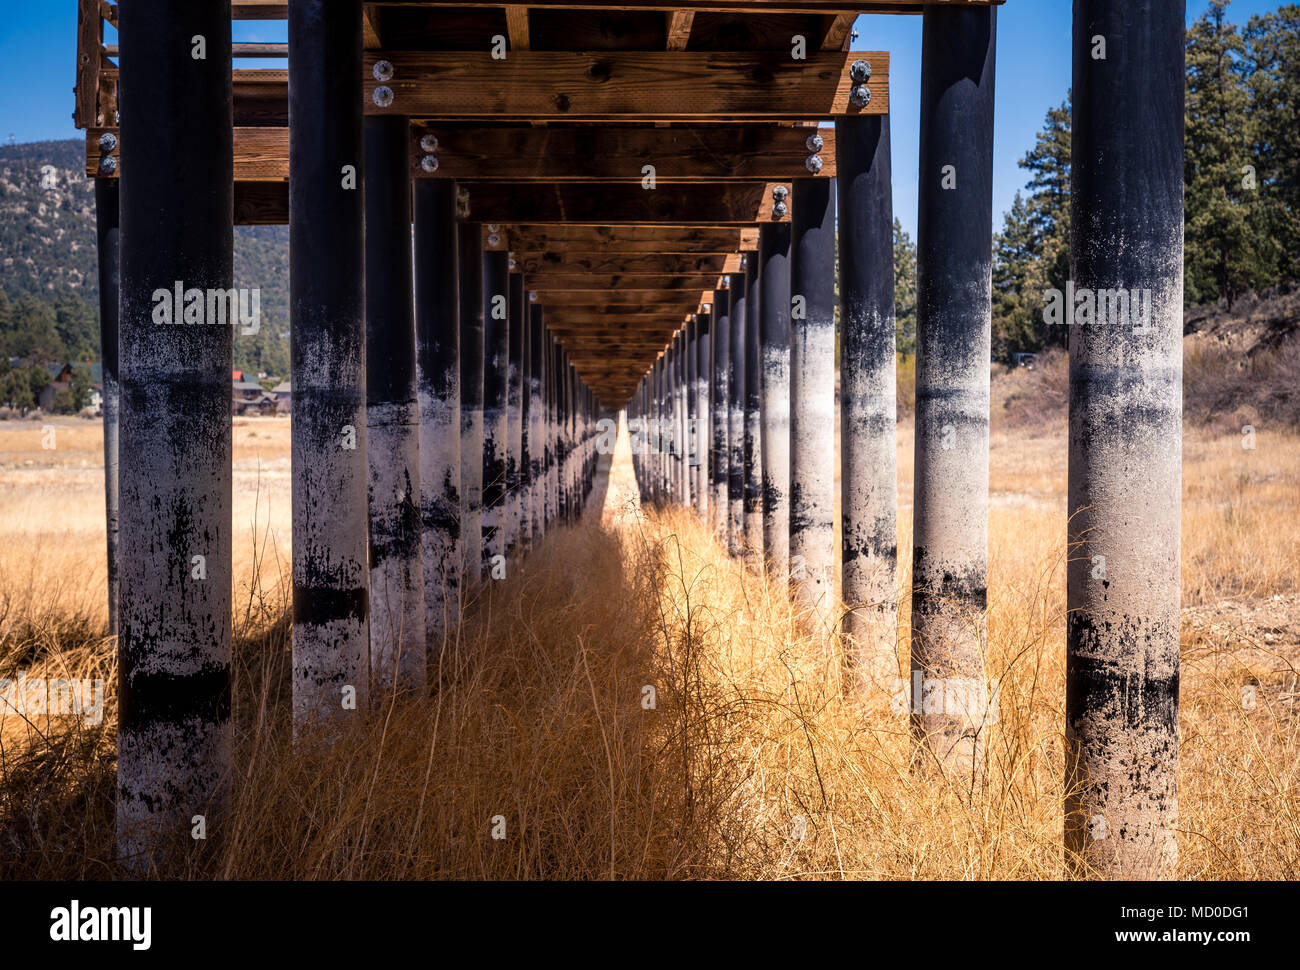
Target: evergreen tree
904, 290
1227, 251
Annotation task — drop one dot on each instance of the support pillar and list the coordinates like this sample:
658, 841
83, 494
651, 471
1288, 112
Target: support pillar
437, 357
536, 424
690, 335
1122, 648
108, 249
774, 393
736, 416
514, 410
469, 241
331, 629
868, 404
954, 313
720, 414
704, 422
397, 644
496, 420
174, 729
752, 493
812, 399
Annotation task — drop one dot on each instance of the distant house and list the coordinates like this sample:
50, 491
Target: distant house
283, 397
249, 397
61, 380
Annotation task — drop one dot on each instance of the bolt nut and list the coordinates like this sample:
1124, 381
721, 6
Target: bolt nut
814, 163
780, 193
532, 296
108, 164
429, 163
779, 210
512, 262
493, 239
383, 70
492, 227
383, 96
107, 142
814, 143
858, 73
860, 96
726, 282
706, 308
744, 260
429, 143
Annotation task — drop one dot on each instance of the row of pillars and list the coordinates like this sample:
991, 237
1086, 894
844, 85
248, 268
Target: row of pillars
736, 419
439, 429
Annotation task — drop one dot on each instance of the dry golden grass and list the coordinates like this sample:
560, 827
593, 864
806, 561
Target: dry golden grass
752, 764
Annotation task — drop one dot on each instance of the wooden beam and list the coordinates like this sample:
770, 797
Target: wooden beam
370, 26
679, 29
838, 32
608, 203
625, 241
655, 85
545, 284
646, 264
689, 299
272, 10
90, 45
517, 27
690, 153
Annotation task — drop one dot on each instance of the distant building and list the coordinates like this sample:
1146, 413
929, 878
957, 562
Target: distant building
61, 380
283, 397
249, 397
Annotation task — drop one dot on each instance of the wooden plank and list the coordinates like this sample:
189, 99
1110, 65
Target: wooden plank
838, 31
261, 154
563, 85
370, 26
534, 240
609, 203
679, 29
517, 27
545, 284
549, 265
90, 43
657, 298
684, 153
272, 10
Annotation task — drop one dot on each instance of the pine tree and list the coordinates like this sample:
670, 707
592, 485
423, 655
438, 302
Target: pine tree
904, 290
1226, 250
1272, 73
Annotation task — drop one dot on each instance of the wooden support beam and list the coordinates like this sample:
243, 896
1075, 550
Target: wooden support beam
517, 26
571, 86
90, 45
589, 153
546, 284
370, 26
839, 30
539, 268
623, 241
605, 203
687, 299
273, 10
679, 29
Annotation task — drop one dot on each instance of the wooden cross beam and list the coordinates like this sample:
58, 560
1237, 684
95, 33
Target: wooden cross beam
595, 86
610, 203
534, 239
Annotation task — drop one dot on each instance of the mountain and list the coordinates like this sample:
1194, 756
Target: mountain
49, 283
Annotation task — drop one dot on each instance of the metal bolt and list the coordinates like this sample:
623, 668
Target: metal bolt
383, 96
383, 70
744, 260
108, 164
493, 227
532, 296
860, 96
429, 143
779, 210
859, 72
706, 308
854, 35
814, 143
512, 262
726, 282
117, 117
780, 193
814, 163
107, 142
494, 239
429, 163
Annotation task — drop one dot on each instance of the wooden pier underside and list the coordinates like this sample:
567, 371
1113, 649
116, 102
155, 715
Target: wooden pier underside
624, 152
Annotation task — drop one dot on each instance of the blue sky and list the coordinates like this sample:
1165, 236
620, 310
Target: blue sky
38, 45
